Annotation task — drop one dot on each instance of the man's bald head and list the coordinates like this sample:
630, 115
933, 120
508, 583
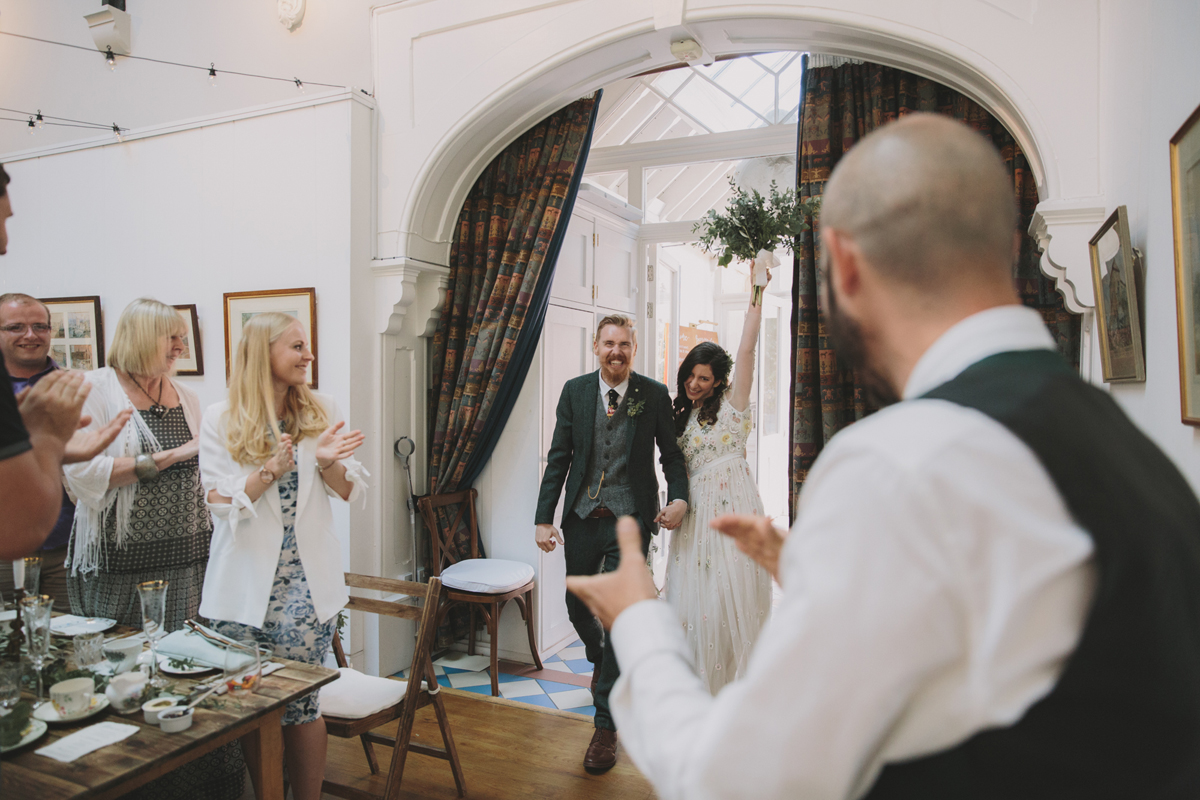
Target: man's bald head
928, 202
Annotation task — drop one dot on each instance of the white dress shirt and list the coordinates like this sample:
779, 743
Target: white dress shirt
934, 584
621, 388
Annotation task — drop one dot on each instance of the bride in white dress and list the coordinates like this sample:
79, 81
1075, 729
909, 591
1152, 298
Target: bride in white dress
723, 597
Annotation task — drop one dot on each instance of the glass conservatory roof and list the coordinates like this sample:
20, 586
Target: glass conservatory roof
746, 93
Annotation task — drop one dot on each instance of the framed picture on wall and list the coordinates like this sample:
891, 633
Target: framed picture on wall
1185, 213
76, 332
1116, 281
241, 307
192, 360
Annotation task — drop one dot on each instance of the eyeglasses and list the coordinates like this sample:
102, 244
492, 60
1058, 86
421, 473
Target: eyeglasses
19, 328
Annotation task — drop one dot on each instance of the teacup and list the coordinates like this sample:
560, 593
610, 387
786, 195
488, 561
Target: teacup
122, 654
73, 696
125, 691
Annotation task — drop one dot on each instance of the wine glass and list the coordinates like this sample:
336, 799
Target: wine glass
243, 666
33, 574
154, 612
35, 613
10, 683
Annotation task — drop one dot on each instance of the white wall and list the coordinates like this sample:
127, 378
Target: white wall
1150, 83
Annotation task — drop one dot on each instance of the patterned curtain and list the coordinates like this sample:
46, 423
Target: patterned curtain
501, 266
842, 104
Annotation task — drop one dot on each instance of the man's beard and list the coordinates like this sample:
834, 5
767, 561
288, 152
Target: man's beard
850, 345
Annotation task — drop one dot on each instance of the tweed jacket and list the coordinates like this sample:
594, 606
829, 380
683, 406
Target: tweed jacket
651, 422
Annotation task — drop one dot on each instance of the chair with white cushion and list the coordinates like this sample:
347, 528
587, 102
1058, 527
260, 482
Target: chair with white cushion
355, 704
485, 584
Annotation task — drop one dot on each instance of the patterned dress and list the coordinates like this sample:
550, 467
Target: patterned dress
169, 534
291, 624
722, 596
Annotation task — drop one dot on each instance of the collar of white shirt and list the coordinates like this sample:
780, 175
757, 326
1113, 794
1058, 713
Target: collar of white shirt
621, 388
996, 330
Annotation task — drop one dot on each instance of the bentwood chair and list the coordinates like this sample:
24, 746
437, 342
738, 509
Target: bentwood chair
368, 702
482, 584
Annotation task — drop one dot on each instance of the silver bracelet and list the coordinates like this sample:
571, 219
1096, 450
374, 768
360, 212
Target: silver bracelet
144, 468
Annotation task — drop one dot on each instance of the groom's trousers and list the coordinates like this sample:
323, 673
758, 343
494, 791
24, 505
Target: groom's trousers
591, 548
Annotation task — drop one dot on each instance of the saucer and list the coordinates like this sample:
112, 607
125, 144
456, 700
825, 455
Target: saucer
48, 713
198, 669
70, 625
36, 729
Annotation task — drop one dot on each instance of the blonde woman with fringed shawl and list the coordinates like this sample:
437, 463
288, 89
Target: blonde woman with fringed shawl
271, 459
140, 513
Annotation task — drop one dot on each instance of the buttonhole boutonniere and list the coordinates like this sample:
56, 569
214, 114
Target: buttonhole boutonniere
635, 407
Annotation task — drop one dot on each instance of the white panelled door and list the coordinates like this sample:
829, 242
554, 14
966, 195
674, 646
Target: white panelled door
615, 265
574, 272
567, 353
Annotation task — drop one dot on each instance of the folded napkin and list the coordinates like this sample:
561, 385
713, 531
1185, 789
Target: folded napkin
183, 644
93, 737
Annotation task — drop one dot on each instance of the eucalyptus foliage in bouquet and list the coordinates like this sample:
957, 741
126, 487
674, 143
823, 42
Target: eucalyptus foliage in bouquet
753, 226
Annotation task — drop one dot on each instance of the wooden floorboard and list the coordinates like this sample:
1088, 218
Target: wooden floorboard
509, 751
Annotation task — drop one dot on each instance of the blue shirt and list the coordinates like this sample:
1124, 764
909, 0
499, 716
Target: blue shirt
61, 534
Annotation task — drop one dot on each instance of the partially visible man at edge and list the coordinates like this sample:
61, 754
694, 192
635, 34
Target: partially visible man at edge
38, 434
992, 587
25, 347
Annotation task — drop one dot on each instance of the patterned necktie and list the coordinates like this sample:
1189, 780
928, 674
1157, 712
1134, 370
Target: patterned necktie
614, 400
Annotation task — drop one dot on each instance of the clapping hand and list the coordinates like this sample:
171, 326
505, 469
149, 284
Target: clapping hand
53, 405
756, 537
86, 445
284, 459
333, 445
609, 594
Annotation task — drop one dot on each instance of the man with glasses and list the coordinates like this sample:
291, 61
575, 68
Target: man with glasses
25, 345
38, 434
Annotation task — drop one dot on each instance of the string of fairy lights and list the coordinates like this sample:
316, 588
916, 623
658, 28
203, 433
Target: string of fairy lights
36, 120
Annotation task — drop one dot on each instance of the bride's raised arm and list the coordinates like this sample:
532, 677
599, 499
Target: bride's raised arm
743, 366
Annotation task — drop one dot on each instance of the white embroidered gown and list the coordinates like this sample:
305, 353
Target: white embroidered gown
722, 596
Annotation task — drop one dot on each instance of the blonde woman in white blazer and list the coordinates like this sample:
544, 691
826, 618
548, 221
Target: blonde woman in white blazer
270, 458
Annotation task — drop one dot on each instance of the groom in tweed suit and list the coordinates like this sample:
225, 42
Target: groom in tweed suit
603, 447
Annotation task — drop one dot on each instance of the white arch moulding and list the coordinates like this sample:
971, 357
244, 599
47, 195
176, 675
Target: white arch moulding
1070, 210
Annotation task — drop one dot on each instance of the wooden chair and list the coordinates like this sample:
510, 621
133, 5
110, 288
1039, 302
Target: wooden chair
446, 562
421, 680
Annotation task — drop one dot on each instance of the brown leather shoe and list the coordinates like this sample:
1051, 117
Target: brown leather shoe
602, 752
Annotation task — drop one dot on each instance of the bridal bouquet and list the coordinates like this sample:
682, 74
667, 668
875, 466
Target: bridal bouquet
753, 226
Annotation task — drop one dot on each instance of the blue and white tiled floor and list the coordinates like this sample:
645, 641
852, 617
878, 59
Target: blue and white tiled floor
533, 691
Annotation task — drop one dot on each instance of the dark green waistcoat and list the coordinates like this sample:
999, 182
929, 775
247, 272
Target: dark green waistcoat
1123, 720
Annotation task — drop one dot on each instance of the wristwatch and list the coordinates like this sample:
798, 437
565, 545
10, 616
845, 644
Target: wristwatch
144, 468
266, 476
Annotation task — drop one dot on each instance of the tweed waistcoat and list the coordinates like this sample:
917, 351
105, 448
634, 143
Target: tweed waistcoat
607, 464
1123, 719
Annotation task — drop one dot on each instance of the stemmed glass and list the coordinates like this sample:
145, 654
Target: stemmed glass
10, 683
33, 574
35, 613
154, 611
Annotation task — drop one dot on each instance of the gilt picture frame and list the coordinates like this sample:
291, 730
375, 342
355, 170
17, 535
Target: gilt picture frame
76, 332
192, 360
1116, 280
1185, 217
240, 307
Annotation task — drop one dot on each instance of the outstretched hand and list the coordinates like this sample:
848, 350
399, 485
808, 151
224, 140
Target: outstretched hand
756, 537
86, 445
53, 405
609, 594
333, 445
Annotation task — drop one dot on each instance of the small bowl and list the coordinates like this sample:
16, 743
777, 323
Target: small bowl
174, 720
153, 708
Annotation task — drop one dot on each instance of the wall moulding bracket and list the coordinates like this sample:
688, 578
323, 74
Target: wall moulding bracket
1062, 229
110, 27
396, 285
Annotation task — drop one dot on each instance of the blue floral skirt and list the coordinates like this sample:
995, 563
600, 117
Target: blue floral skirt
291, 624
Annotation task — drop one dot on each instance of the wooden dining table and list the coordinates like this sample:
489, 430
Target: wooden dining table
148, 754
